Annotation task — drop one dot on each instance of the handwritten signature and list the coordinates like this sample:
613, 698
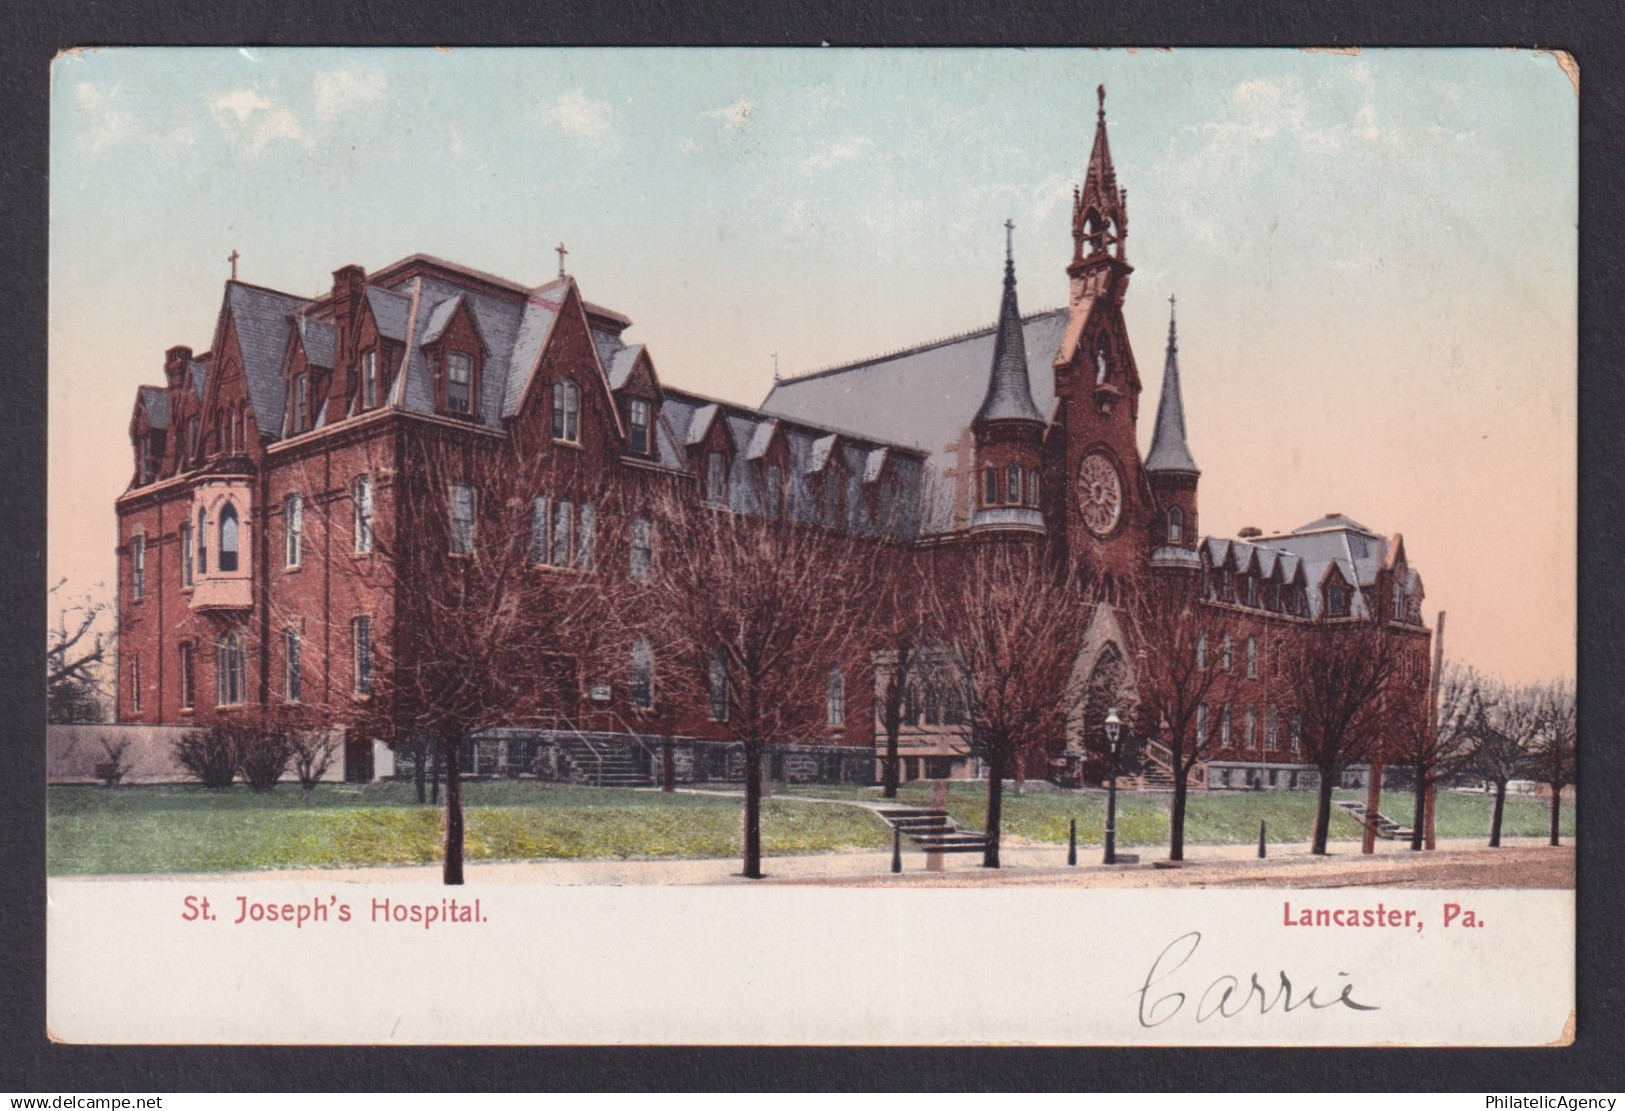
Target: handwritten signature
1227, 996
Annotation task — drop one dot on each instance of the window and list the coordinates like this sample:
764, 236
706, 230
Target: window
144, 462
1275, 659
1272, 728
464, 504
1224, 727
369, 380
990, 487
135, 684
539, 510
584, 536
300, 404
1228, 655
230, 670
641, 560
562, 512
1103, 359
1201, 650
188, 683
1252, 657
459, 382
716, 477
1252, 590
775, 489
1297, 731
293, 521
1035, 487
1399, 602
1334, 600
1176, 525
361, 499
203, 541
835, 697
138, 565
1252, 727
290, 650
1012, 484
191, 438
719, 685
361, 638
640, 426
643, 666
186, 553
1201, 723
228, 538
566, 411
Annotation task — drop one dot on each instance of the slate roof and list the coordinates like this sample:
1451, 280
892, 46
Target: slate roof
1333, 540
1169, 450
199, 374
155, 400
320, 340
1009, 394
620, 361
264, 320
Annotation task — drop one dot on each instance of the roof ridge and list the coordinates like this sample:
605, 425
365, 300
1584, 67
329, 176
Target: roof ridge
914, 349
791, 422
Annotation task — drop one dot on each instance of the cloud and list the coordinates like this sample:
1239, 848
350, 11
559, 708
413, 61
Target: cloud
252, 121
736, 115
102, 118
576, 114
349, 87
842, 150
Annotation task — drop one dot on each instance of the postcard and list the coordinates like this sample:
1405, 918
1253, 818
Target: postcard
757, 547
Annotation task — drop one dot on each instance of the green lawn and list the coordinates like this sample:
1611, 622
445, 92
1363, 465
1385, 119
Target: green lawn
129, 830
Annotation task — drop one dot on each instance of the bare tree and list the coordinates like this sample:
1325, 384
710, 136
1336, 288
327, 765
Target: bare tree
1339, 676
75, 652
899, 639
1508, 725
1441, 749
755, 611
1011, 619
1174, 679
1553, 759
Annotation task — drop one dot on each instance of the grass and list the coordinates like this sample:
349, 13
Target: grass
133, 830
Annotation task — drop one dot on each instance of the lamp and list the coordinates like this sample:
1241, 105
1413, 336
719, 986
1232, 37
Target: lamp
1114, 730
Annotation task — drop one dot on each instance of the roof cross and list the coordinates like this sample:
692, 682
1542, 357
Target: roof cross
232, 258
1009, 230
562, 251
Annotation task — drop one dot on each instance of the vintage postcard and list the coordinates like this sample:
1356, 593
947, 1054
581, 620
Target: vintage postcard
759, 547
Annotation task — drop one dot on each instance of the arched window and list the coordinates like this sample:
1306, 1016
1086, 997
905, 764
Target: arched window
186, 553
835, 697
1224, 727
293, 520
1103, 360
641, 561
566, 411
1201, 650
643, 669
719, 685
1176, 525
203, 541
361, 503
1252, 727
1228, 654
1012, 484
138, 565
230, 671
300, 404
1272, 728
191, 439
1399, 602
1252, 657
990, 487
1035, 488
228, 538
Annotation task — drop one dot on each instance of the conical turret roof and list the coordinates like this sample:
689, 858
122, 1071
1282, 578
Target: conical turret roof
1169, 452
1009, 392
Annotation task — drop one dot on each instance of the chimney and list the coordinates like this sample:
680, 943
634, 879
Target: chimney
1250, 532
175, 360
349, 284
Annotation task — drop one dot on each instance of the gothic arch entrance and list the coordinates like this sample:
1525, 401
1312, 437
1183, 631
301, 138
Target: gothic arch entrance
1102, 678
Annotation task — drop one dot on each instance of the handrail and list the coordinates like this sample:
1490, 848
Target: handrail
638, 737
592, 748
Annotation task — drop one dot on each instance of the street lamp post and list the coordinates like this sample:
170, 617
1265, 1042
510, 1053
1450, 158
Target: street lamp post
1114, 729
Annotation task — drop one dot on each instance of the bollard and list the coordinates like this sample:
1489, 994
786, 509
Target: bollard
1072, 842
896, 849
1260, 840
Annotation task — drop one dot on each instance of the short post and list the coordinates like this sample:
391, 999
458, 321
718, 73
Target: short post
896, 849
1260, 840
1072, 842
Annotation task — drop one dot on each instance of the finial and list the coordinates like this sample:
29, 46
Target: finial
1100, 93
1009, 249
1172, 341
232, 258
562, 251
775, 366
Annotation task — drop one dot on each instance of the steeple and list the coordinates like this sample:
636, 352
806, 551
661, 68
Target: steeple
1009, 392
1100, 208
1169, 453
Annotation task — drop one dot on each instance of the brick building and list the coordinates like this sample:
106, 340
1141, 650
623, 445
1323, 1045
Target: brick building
268, 468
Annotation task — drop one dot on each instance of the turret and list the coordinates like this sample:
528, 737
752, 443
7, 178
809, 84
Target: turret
1169, 466
1009, 429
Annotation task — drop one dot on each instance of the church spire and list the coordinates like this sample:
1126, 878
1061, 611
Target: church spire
1169, 451
1009, 392
1100, 208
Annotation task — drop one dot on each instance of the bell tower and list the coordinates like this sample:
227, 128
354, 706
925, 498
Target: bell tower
1171, 470
1009, 429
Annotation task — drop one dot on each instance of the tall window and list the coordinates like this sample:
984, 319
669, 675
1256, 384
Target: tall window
562, 512
1399, 602
459, 382
641, 560
716, 477
293, 521
230, 670
640, 426
1252, 727
361, 638
643, 668
1334, 600
835, 697
144, 464
1035, 488
135, 684
1201, 650
1103, 360
188, 682
301, 403
138, 565
1228, 654
186, 553
719, 685
191, 439
290, 650
1201, 723
539, 510
361, 502
584, 536
464, 506
1176, 525
1012, 484
203, 541
1272, 728
566, 411
1224, 726
775, 490
1297, 730
228, 538
990, 487
369, 380
1252, 657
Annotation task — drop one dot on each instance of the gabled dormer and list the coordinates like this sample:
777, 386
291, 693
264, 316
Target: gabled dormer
455, 349
1337, 593
711, 452
149, 427
768, 452
636, 387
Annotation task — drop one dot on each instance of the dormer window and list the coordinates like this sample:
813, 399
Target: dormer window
228, 538
1176, 525
369, 380
1336, 603
990, 487
1035, 489
459, 383
640, 426
301, 403
1012, 484
1399, 603
716, 477
566, 411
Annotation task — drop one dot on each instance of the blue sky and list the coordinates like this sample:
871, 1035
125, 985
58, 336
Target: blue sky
1375, 255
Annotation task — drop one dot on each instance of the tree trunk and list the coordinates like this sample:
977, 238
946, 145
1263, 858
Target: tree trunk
420, 770
753, 810
889, 790
1176, 815
1500, 807
1424, 784
995, 806
434, 777
1557, 809
1323, 813
454, 812
1373, 804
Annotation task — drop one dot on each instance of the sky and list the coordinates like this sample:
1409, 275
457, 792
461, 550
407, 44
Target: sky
1375, 255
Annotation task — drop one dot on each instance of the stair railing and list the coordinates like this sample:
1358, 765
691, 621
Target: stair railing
654, 759
592, 748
